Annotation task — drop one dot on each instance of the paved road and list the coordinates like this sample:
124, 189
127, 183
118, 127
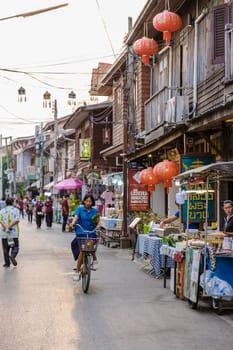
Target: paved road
42, 308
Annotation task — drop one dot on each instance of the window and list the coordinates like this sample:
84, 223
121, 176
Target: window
106, 133
117, 104
221, 15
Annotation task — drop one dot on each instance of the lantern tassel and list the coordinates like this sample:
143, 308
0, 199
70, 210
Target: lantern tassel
145, 59
167, 37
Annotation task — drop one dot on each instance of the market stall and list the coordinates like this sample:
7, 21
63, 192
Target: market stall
111, 227
148, 246
208, 265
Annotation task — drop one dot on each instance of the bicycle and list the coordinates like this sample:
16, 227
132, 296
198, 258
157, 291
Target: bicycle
87, 246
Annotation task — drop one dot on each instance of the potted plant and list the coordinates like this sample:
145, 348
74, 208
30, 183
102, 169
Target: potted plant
146, 218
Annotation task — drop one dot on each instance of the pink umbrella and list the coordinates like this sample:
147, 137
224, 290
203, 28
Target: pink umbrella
68, 184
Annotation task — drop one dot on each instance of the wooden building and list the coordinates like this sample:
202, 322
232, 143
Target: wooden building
181, 103
93, 134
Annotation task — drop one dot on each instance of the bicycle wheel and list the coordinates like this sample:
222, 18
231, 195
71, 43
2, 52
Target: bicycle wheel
86, 273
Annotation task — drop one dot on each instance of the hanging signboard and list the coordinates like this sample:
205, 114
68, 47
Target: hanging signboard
197, 198
85, 149
138, 193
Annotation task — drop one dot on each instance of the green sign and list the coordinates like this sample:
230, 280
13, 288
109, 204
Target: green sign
197, 198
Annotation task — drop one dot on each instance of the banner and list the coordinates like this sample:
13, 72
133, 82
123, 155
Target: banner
138, 193
85, 149
197, 201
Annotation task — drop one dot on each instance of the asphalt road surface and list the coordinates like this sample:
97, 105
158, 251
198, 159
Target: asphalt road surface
42, 308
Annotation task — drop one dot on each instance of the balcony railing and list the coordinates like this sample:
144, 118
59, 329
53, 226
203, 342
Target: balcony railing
162, 108
155, 109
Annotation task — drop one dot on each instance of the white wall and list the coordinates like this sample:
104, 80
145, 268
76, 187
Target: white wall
23, 160
158, 200
172, 207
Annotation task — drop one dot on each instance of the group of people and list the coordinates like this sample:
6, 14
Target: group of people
85, 219
35, 207
10, 218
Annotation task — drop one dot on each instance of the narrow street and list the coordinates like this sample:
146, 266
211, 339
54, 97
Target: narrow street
42, 308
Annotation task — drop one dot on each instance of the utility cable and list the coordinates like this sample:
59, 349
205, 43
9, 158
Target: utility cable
65, 63
105, 28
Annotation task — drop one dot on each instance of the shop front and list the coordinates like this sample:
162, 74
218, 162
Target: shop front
200, 260
110, 206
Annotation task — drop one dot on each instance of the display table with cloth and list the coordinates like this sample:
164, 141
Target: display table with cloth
168, 252
150, 246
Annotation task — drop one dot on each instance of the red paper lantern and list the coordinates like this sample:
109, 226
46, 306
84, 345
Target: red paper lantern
147, 177
167, 22
165, 171
145, 47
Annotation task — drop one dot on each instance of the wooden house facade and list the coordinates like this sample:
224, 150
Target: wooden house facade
181, 103
93, 134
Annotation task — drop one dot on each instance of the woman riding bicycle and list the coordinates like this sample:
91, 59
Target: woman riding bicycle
87, 218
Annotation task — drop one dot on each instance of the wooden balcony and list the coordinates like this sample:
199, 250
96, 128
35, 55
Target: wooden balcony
155, 110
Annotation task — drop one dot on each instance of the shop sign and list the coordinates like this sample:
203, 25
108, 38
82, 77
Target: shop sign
85, 149
138, 194
197, 201
92, 175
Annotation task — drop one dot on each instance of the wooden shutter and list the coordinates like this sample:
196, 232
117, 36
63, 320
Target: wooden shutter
220, 16
231, 13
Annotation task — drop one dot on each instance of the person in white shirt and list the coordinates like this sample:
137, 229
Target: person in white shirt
9, 220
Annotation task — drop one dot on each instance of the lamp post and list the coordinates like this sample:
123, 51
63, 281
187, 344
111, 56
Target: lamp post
47, 103
39, 143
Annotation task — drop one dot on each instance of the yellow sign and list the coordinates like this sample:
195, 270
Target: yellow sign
85, 149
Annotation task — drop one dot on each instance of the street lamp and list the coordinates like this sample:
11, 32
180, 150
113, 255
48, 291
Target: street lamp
22, 95
72, 99
47, 100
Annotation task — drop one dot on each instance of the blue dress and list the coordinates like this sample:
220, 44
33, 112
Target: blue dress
84, 220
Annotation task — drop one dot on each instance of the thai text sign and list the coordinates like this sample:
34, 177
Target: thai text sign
138, 193
197, 198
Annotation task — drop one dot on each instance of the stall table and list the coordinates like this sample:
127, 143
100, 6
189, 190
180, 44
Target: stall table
150, 246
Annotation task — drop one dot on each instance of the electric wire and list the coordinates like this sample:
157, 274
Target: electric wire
64, 63
105, 28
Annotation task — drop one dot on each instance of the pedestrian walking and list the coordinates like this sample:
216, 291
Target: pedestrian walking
48, 208
20, 206
9, 221
39, 213
29, 211
65, 211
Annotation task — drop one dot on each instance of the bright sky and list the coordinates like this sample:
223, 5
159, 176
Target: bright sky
72, 39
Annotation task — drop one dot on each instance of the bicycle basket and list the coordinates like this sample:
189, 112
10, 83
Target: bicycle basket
87, 244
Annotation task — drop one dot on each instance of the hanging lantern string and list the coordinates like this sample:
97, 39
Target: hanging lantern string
167, 5
145, 29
